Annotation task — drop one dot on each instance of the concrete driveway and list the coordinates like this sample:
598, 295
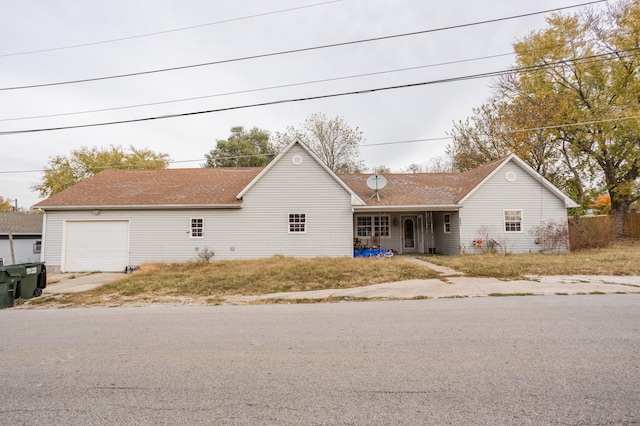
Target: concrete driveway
78, 282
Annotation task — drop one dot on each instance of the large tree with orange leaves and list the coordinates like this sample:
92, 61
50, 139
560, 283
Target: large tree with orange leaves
571, 108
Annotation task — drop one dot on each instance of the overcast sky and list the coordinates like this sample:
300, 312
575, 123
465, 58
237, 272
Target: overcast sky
240, 29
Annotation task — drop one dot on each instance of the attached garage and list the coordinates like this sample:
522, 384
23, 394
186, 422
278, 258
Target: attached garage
96, 245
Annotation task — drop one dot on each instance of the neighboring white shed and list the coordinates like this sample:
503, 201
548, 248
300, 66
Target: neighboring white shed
20, 237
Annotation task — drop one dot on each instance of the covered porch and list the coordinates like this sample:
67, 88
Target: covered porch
432, 231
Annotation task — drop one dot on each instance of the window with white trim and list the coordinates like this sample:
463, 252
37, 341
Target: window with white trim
367, 226
447, 223
197, 228
513, 220
297, 223
37, 246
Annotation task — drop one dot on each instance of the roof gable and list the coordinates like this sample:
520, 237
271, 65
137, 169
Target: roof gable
479, 176
438, 189
355, 199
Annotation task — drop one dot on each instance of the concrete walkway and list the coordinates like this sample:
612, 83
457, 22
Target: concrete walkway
454, 284
450, 284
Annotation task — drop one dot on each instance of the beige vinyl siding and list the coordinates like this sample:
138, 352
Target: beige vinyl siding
52, 240
447, 242
483, 213
262, 225
258, 229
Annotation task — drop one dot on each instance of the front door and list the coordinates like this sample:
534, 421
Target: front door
409, 235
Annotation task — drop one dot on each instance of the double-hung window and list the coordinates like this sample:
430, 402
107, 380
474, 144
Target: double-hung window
513, 220
197, 228
446, 219
297, 223
367, 226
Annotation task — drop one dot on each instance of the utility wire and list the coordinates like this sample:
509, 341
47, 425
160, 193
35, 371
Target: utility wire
281, 86
113, 40
607, 120
305, 49
327, 96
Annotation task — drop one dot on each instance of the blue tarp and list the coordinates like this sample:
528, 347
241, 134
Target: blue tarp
369, 252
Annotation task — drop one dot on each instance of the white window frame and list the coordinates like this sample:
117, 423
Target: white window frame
446, 223
513, 221
196, 229
375, 224
297, 223
37, 246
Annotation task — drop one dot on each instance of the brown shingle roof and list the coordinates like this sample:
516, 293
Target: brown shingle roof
219, 186
407, 189
20, 223
205, 186
421, 189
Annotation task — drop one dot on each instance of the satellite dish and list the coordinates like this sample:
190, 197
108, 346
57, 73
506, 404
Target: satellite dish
376, 182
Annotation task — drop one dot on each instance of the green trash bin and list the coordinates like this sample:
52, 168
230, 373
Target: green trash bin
6, 294
25, 280
9, 279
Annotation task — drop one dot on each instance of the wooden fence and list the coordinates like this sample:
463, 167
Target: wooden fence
632, 225
597, 231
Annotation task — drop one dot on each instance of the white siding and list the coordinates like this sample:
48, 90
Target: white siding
483, 213
261, 228
447, 242
258, 229
22, 250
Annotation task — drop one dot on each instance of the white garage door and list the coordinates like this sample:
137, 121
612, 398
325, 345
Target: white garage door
97, 246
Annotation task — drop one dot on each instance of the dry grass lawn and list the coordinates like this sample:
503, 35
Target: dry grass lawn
197, 282
211, 282
622, 258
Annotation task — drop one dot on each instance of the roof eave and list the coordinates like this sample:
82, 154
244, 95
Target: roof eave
406, 208
144, 207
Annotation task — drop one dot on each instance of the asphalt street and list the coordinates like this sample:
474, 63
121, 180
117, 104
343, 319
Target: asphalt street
571, 360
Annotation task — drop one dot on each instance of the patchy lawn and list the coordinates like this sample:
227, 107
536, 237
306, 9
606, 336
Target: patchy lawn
211, 282
622, 258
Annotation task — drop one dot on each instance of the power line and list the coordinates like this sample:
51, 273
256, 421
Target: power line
334, 95
583, 123
305, 49
113, 40
281, 86
283, 101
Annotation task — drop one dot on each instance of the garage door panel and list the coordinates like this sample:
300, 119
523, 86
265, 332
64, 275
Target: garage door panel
97, 246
